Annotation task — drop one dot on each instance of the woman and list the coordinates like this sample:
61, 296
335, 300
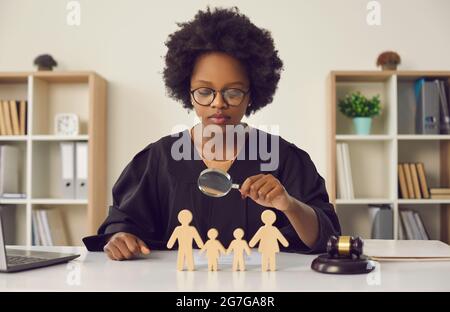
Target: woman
223, 67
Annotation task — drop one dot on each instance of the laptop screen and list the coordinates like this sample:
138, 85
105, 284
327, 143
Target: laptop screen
3, 264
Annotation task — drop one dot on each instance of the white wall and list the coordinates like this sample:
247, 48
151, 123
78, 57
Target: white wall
123, 40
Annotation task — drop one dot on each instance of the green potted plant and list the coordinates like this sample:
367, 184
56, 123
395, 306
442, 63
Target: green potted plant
361, 109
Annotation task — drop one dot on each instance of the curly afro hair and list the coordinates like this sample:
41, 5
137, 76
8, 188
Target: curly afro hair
228, 31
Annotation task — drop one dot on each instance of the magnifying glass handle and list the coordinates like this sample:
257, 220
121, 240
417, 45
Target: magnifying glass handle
235, 186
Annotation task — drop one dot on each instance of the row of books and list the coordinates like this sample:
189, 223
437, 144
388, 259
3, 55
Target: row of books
13, 117
48, 228
344, 172
412, 226
412, 181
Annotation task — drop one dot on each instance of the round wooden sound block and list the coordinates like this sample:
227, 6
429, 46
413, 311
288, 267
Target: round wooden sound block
325, 264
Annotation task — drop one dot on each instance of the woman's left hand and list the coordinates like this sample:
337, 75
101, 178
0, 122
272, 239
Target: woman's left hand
266, 190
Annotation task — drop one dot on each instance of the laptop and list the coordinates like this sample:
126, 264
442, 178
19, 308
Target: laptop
14, 260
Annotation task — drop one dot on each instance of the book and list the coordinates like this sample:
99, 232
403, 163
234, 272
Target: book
402, 182
7, 117
445, 117
409, 183
407, 225
414, 226
401, 230
423, 180
348, 171
341, 185
421, 226
2, 120
35, 229
46, 226
439, 196
23, 117
427, 108
14, 117
439, 191
415, 181
41, 229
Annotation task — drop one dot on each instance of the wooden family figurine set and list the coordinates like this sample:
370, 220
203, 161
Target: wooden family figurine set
267, 236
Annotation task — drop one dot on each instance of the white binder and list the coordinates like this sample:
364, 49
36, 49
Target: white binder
81, 170
68, 169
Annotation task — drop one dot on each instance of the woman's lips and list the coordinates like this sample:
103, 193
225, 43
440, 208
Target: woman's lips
219, 119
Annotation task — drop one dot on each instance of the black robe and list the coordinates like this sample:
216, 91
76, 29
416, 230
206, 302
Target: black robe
154, 187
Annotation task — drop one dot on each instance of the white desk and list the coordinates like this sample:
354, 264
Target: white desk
95, 272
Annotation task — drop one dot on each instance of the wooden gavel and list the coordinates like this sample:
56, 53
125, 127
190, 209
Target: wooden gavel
344, 247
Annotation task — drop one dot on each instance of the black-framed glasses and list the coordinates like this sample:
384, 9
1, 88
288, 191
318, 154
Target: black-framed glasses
231, 96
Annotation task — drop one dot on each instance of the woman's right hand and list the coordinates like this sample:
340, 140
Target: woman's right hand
125, 246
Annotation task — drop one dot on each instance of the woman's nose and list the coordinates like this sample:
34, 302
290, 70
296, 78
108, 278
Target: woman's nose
219, 101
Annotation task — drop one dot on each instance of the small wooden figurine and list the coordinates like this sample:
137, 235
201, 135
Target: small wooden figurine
185, 234
213, 249
268, 237
238, 246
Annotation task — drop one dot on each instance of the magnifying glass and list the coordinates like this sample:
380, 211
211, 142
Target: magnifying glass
215, 182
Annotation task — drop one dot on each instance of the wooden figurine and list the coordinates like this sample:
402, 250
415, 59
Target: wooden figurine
213, 249
238, 246
185, 234
268, 237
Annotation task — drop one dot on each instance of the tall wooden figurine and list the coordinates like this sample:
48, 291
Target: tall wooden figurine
213, 249
268, 237
185, 234
238, 246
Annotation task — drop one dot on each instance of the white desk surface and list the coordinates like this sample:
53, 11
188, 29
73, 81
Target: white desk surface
95, 272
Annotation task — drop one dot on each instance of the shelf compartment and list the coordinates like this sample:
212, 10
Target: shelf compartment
384, 124
357, 219
427, 152
22, 166
47, 173
430, 215
51, 97
371, 166
407, 101
73, 219
14, 218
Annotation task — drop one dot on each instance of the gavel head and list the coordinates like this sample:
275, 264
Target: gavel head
344, 247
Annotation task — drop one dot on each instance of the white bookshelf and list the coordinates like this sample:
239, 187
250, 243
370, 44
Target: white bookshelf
374, 157
49, 93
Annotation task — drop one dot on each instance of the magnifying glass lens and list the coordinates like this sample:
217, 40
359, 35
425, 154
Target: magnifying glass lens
214, 182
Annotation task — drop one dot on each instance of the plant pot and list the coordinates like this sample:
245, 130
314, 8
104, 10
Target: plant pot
389, 66
362, 125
